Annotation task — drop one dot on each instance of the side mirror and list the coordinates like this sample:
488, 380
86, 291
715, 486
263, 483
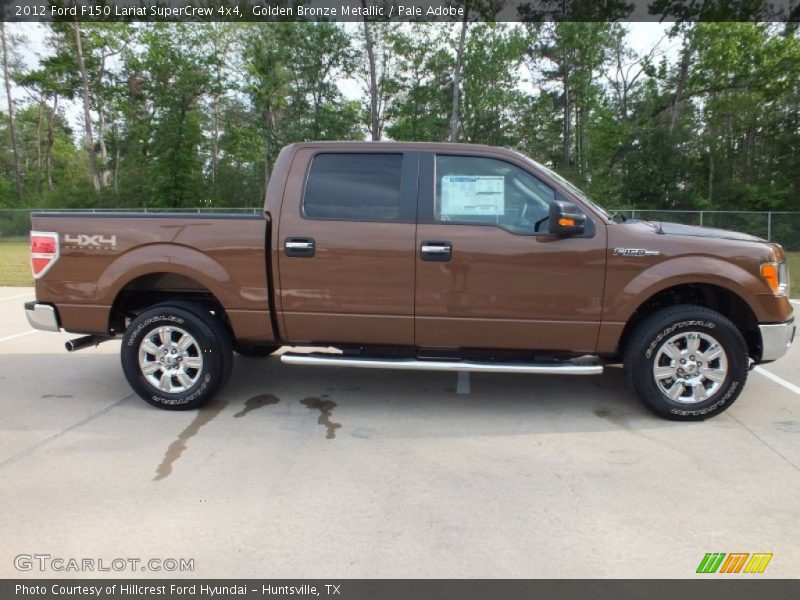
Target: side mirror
565, 219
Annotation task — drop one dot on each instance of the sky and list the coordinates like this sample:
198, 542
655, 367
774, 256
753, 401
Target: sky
31, 47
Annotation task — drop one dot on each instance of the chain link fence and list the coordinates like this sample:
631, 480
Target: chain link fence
781, 227
776, 226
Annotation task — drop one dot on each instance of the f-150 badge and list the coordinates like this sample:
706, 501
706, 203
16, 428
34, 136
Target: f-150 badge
635, 252
91, 242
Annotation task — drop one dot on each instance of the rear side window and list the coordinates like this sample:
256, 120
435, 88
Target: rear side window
354, 187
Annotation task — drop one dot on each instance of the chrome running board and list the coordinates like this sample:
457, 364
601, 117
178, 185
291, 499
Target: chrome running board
463, 366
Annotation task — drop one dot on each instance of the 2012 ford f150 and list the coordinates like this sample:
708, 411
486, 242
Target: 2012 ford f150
417, 256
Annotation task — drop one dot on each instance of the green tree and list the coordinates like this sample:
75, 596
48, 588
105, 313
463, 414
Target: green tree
420, 110
381, 73
492, 58
293, 70
174, 77
570, 56
10, 114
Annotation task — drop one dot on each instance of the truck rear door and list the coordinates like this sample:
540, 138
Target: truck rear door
347, 247
489, 275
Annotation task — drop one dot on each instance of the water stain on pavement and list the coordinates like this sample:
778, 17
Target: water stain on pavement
256, 402
325, 407
176, 448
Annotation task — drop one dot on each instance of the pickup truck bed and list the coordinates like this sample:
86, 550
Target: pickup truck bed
112, 264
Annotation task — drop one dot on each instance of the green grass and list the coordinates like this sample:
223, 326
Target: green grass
793, 258
15, 267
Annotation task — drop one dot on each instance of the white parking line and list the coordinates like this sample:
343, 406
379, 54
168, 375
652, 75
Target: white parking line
28, 295
779, 380
795, 302
18, 335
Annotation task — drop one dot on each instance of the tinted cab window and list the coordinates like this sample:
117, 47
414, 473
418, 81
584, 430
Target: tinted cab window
354, 187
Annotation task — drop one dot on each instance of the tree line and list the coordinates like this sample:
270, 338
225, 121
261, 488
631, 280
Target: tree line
187, 115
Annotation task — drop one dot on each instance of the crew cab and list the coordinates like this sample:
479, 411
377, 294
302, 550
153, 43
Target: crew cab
422, 257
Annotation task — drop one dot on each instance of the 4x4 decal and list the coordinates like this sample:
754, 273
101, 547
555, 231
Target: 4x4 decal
91, 242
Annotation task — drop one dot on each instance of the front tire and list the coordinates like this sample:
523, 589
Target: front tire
176, 355
686, 363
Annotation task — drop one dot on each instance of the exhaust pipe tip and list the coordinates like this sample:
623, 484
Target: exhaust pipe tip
83, 342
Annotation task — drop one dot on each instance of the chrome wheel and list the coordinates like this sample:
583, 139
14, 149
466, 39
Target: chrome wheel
690, 367
170, 359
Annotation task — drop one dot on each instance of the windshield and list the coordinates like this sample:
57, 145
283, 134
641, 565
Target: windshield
573, 189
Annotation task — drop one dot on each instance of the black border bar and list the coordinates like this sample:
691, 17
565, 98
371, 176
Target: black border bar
400, 10
704, 587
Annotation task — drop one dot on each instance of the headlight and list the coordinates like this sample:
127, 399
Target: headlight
776, 274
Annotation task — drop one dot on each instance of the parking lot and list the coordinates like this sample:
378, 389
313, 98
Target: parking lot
332, 472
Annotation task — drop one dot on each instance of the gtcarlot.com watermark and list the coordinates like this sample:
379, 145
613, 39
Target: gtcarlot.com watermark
45, 563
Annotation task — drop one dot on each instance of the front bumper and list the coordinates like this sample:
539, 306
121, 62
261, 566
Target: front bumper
776, 339
42, 316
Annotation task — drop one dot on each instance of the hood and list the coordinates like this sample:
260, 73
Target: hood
706, 232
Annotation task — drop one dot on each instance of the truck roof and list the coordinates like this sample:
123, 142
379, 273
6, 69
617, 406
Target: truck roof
404, 146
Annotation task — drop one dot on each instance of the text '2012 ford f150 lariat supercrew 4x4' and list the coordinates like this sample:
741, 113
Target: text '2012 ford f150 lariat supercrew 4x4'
417, 256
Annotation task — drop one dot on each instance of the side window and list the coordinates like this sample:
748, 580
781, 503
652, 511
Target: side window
354, 187
471, 189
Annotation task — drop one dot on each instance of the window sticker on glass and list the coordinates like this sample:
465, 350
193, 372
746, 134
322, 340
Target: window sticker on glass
472, 195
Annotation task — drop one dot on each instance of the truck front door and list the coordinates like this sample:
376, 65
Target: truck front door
489, 274
347, 252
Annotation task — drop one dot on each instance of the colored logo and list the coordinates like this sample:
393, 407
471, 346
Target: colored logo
735, 562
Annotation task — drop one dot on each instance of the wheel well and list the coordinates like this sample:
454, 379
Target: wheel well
154, 288
711, 296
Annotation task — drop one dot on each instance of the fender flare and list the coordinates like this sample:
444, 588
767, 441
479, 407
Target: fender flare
681, 271
165, 258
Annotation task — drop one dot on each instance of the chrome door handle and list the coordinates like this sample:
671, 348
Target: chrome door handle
299, 247
436, 251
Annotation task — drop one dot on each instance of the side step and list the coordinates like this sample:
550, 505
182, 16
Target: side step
463, 366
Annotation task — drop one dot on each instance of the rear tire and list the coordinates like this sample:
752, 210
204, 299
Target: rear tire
176, 355
686, 363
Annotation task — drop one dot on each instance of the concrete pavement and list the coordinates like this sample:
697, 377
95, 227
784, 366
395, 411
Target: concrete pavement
326, 472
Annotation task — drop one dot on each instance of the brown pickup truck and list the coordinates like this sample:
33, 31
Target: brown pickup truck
417, 256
